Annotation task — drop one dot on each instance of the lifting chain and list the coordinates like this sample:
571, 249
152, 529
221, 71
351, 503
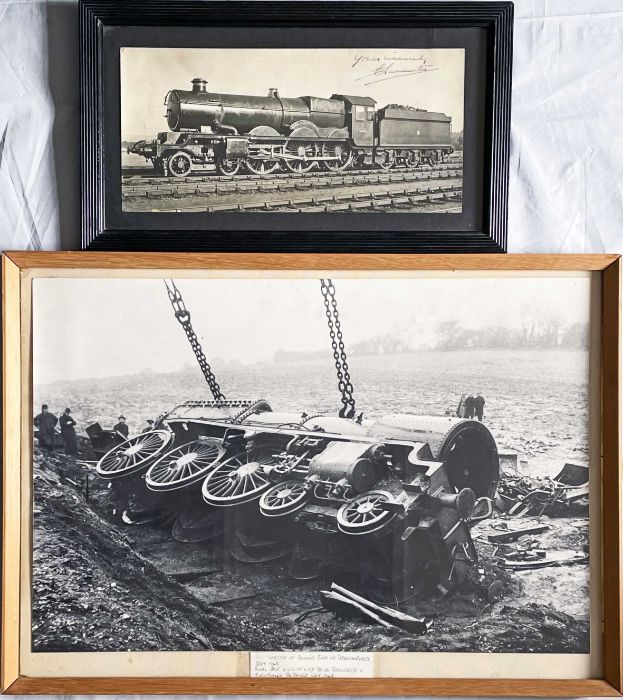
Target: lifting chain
339, 353
183, 316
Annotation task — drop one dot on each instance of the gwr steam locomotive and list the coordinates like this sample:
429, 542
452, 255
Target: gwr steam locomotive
264, 134
396, 496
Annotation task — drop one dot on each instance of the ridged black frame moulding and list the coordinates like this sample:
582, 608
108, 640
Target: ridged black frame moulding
495, 17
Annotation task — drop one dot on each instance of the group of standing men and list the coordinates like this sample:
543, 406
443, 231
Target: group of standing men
471, 406
46, 422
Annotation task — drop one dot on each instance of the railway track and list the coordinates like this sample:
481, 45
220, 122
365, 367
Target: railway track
405, 198
155, 188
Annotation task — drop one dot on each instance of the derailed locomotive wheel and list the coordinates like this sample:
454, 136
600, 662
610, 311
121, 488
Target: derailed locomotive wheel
133, 455
179, 164
365, 513
340, 152
184, 465
303, 154
227, 166
284, 498
236, 480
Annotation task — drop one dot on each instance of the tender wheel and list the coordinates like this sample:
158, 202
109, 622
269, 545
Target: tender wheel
413, 160
179, 164
284, 498
184, 465
388, 159
340, 151
236, 480
133, 455
364, 513
305, 154
225, 166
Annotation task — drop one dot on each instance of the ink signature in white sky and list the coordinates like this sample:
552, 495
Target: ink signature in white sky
391, 67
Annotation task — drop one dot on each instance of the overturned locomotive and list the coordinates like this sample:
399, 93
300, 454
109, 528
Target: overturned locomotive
264, 134
391, 499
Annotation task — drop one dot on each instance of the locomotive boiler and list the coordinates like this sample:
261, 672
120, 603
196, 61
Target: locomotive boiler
264, 134
396, 496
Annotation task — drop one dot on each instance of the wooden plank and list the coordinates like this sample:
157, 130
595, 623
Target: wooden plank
11, 423
307, 261
611, 486
314, 686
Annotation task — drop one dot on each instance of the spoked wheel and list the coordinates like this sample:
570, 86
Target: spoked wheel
284, 498
236, 480
261, 163
365, 513
387, 161
133, 455
342, 154
227, 166
304, 154
184, 465
432, 159
180, 164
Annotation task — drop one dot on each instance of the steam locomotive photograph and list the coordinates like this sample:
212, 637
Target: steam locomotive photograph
347, 463
292, 130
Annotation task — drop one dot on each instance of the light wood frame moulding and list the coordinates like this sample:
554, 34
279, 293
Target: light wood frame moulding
16, 264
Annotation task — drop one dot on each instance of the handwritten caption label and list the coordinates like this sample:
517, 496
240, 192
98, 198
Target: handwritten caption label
311, 664
383, 67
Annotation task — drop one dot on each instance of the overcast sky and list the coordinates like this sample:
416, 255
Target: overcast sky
431, 79
104, 327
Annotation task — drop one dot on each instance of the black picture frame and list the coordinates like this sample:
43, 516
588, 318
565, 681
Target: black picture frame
107, 24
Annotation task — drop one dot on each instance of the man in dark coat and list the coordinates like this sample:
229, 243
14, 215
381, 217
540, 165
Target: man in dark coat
68, 433
45, 422
469, 407
122, 427
479, 407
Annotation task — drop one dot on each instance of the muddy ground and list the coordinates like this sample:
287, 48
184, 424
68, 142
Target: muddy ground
102, 585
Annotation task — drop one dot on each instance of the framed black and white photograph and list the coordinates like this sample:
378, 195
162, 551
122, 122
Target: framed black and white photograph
236, 470
306, 126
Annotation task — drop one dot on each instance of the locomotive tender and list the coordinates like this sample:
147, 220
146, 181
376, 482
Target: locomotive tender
391, 499
264, 134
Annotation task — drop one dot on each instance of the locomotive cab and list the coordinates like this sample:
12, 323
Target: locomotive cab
360, 118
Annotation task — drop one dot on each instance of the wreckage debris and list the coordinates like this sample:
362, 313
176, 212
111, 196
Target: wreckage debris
345, 603
514, 535
565, 494
539, 559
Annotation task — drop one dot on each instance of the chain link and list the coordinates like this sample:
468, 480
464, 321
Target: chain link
339, 352
183, 316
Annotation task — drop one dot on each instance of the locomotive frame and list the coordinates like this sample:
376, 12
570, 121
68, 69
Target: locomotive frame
18, 270
480, 226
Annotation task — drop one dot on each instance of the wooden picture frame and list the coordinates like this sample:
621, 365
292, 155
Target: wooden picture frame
329, 220
17, 274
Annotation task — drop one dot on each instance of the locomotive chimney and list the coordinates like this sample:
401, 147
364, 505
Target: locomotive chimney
273, 92
199, 85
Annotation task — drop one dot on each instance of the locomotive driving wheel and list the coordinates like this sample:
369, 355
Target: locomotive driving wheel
261, 161
227, 166
184, 465
133, 455
284, 498
340, 153
237, 480
365, 513
303, 155
179, 164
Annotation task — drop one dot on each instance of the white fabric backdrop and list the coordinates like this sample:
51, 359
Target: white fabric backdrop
566, 173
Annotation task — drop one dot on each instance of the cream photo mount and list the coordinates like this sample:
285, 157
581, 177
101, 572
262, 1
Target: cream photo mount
18, 271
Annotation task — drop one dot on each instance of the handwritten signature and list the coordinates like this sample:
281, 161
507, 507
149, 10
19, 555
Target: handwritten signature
389, 69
